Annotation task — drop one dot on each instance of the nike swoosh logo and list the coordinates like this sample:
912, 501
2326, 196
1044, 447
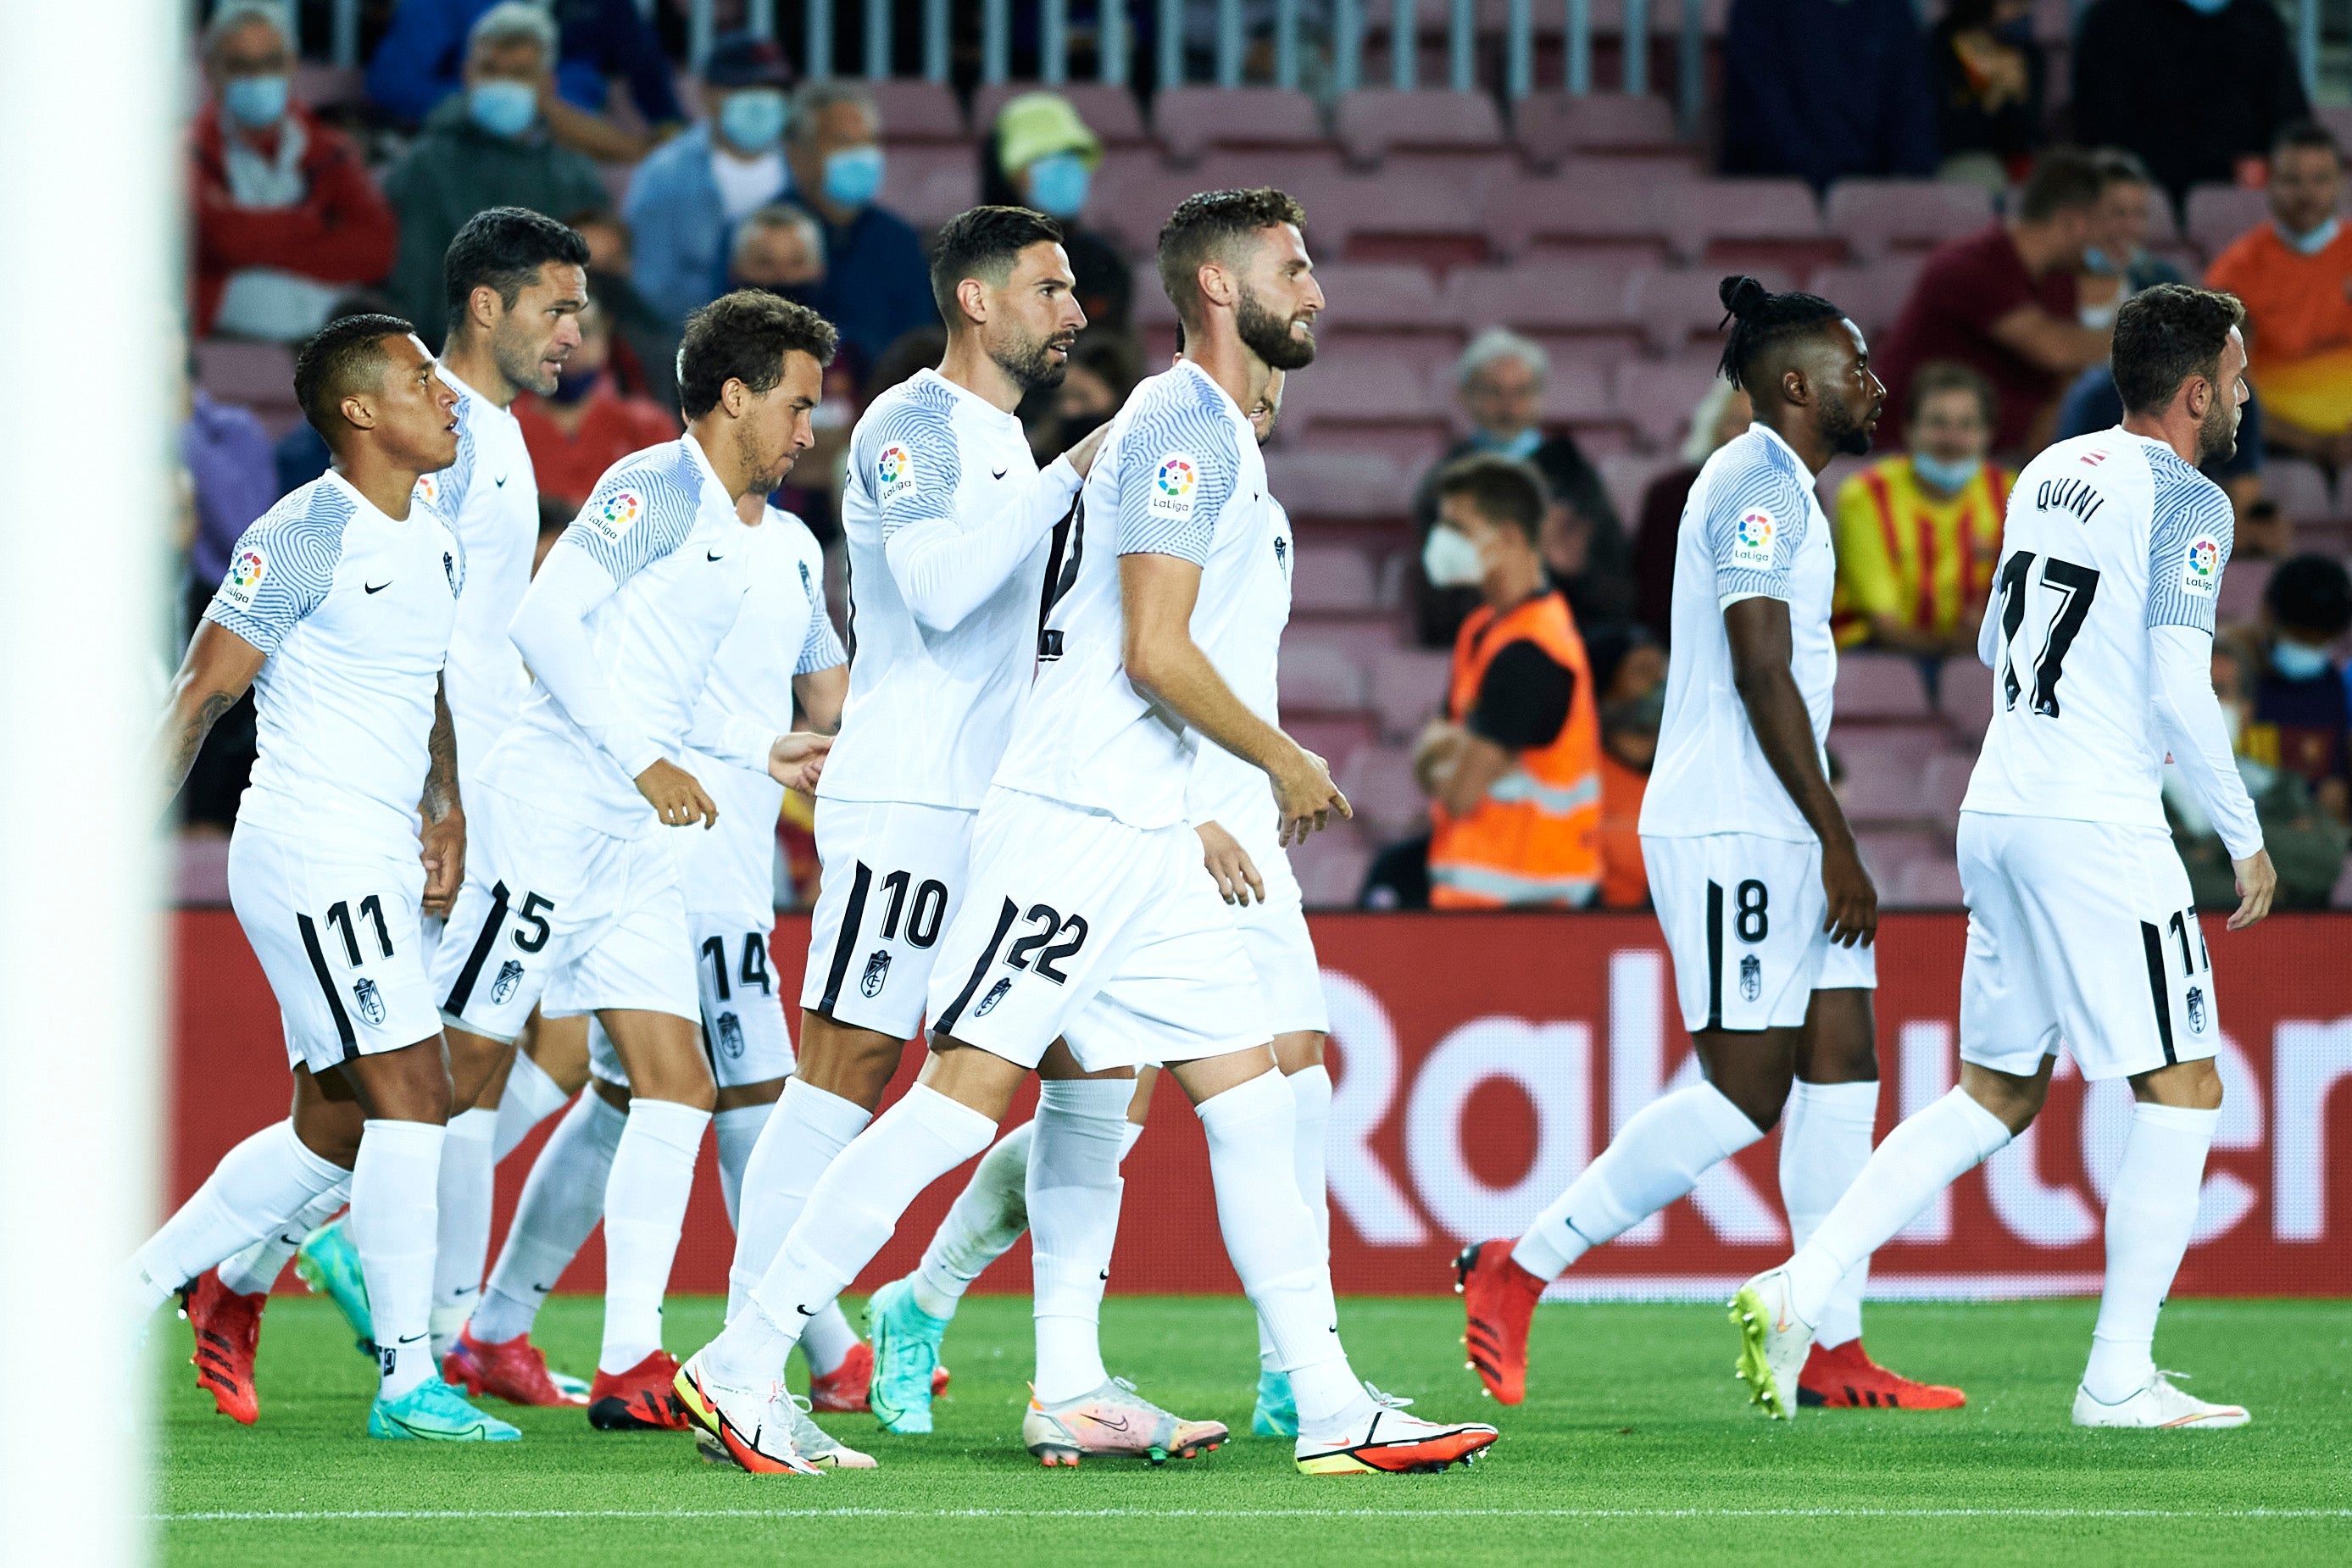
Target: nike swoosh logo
1106, 1274
1117, 1425
707, 556
375, 587
502, 480
410, 1338
998, 474
806, 1311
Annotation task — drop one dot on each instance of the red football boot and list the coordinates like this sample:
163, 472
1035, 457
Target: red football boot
512, 1370
229, 1331
846, 1385
1498, 1299
642, 1399
1847, 1379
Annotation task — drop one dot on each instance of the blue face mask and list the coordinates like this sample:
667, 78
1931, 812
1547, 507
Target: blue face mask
503, 107
753, 118
853, 176
255, 101
1519, 447
2296, 662
2313, 241
1058, 185
1949, 476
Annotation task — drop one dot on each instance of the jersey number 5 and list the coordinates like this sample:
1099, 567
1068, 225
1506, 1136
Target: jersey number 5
2075, 587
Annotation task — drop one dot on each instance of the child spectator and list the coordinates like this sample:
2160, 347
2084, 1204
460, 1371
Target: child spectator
2301, 719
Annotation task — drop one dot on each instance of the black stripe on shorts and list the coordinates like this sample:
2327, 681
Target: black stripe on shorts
492, 924
327, 984
1715, 955
1005, 919
845, 940
2152, 941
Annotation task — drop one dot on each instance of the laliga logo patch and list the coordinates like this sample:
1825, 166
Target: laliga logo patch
369, 1000
996, 994
1751, 978
618, 515
1751, 540
894, 468
878, 971
245, 572
731, 1035
1173, 486
2201, 570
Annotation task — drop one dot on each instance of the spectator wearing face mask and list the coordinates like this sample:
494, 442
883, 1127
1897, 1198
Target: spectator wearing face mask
1101, 372
2294, 275
2197, 87
286, 215
2301, 719
2118, 264
487, 147
1041, 154
2304, 843
1989, 72
1918, 535
588, 423
779, 248
1629, 670
876, 285
688, 196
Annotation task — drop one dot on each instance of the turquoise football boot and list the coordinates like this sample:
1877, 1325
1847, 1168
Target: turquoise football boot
329, 1265
436, 1413
1276, 1415
905, 1342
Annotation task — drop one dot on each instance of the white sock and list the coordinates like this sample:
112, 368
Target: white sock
255, 1271
1073, 1198
2151, 1209
987, 1217
737, 1133
827, 1341
644, 1206
393, 1196
808, 1128
1270, 1236
465, 1192
1656, 1157
1924, 1154
562, 1199
1310, 1092
258, 1187
1824, 1144
850, 1214
530, 1098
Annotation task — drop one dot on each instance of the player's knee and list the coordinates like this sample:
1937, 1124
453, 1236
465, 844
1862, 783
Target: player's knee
2185, 1086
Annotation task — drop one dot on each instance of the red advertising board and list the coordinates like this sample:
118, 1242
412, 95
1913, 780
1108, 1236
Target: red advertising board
1483, 1061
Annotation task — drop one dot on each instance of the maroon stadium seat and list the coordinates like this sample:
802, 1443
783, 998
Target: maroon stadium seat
1339, 486
1882, 784
1677, 304
1872, 295
1746, 223
1372, 122
2242, 585
1330, 866
1588, 209
1880, 686
1878, 215
1888, 853
1628, 476
930, 183
918, 111
1554, 125
1399, 217
1408, 689
1945, 784
1110, 112
1191, 119
1318, 679
258, 375
2299, 486
1547, 296
1931, 883
1333, 577
1657, 396
1378, 784
1964, 694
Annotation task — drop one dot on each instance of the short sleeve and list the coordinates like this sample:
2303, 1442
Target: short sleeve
821, 648
1756, 519
1178, 461
913, 463
632, 518
1523, 699
282, 569
2188, 550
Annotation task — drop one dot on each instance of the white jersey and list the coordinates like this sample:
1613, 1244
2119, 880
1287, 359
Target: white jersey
354, 612
930, 708
661, 526
1751, 528
782, 632
1179, 474
2109, 535
489, 497
1223, 789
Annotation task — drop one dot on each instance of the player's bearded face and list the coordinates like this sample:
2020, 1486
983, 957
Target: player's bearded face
1284, 341
532, 341
1034, 358
2217, 433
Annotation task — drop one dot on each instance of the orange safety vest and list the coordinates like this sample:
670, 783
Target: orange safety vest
1534, 839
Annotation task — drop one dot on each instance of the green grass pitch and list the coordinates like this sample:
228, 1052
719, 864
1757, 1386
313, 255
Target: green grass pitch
1635, 1445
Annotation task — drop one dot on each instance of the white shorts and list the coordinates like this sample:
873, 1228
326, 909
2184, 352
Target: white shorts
1743, 921
1851, 968
557, 915
1109, 936
336, 931
1281, 952
743, 1028
2085, 932
893, 877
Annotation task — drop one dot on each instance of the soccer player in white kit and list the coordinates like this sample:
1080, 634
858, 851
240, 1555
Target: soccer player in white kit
337, 609
570, 896
2081, 924
1087, 917
1752, 864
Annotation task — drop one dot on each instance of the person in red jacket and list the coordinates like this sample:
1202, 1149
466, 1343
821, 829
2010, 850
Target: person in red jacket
287, 217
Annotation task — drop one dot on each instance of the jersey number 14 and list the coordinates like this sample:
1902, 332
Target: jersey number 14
2075, 586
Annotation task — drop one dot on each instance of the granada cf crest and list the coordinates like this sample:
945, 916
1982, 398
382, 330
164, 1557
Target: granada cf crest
996, 994
369, 1000
1751, 978
2196, 1009
877, 970
510, 976
731, 1036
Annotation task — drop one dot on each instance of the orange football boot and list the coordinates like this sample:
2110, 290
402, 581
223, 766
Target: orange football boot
1498, 1301
642, 1399
229, 1331
1847, 1379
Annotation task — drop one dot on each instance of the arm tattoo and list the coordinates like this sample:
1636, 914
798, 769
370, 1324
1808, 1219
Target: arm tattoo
441, 778
189, 740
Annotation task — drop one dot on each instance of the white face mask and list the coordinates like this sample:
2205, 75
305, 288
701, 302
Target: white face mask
1449, 559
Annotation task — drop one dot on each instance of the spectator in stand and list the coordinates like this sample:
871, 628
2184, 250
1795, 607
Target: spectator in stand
234, 477
1825, 88
1722, 414
484, 148
645, 347
1988, 74
285, 215
1500, 380
2295, 276
2306, 843
588, 424
1041, 154
2197, 87
2118, 265
419, 65
2301, 720
2002, 302
690, 193
1517, 819
1918, 535
779, 248
877, 285
1101, 372
1629, 670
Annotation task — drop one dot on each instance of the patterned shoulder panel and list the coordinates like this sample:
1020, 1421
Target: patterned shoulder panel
642, 509
284, 565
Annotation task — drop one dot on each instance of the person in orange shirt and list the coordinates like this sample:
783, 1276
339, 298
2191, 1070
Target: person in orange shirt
588, 424
1918, 535
1516, 818
2295, 276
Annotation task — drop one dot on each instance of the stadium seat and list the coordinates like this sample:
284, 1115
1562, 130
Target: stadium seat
1110, 112
1657, 397
1872, 295
1191, 119
1964, 697
1588, 210
1391, 307
2340, 896
1333, 577
1880, 686
258, 375
1944, 784
2242, 589
918, 111
1882, 784
1408, 689
200, 873
1927, 884
1745, 223
1373, 122
1628, 476
1359, 386
1878, 215
1339, 486
2337, 118
1334, 737
1330, 868
2299, 486
1888, 853
1394, 217
1378, 784
928, 183
1677, 304
1318, 679
1553, 126
1541, 297
2219, 214
1833, 479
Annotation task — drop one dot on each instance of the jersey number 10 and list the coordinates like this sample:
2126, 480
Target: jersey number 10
2075, 587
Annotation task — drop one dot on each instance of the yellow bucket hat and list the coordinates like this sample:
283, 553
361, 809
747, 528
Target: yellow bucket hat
1038, 125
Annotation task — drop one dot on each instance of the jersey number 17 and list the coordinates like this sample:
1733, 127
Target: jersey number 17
2075, 587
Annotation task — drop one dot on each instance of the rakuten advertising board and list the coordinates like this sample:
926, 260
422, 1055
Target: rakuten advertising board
1483, 1061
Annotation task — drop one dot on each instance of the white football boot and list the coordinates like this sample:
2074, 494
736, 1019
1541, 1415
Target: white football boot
1773, 1342
2158, 1406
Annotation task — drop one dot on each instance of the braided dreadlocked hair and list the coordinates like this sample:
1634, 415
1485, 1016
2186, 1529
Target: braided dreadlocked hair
1762, 320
